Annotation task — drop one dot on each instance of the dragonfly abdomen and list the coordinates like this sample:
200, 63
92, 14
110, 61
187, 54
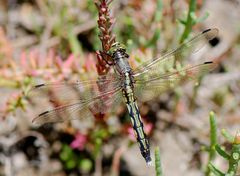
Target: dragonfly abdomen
139, 131
136, 120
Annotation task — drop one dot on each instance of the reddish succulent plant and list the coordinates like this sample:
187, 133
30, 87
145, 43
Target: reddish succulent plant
105, 25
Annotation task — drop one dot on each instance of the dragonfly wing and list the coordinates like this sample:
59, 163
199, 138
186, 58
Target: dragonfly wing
79, 109
174, 57
147, 88
78, 91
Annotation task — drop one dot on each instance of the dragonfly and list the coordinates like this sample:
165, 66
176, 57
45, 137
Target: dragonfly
92, 97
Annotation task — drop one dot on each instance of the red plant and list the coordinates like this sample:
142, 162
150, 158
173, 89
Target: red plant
105, 25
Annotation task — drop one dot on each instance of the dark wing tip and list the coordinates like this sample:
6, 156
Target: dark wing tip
206, 30
210, 33
39, 116
42, 114
39, 85
215, 30
208, 62
212, 65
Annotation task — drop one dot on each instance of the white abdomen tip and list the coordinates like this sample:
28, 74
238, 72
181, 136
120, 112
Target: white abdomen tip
149, 163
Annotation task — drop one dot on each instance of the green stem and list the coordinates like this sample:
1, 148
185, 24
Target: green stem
214, 170
158, 167
234, 160
221, 151
213, 139
227, 135
213, 135
190, 21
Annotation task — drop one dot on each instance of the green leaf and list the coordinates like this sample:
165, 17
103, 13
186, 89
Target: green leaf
203, 18
227, 135
222, 152
234, 160
193, 16
152, 42
189, 21
213, 134
214, 170
182, 21
213, 139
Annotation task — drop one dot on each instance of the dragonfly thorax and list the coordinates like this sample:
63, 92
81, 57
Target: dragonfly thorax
120, 58
121, 63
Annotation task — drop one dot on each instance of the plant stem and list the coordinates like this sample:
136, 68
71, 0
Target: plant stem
227, 135
105, 26
213, 140
190, 21
158, 167
214, 170
213, 135
234, 160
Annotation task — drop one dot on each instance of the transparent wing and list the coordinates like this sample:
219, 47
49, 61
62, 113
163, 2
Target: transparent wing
80, 109
147, 88
81, 90
79, 99
174, 57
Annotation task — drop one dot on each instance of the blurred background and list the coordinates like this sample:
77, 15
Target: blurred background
52, 40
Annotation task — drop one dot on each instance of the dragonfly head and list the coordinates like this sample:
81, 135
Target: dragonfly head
117, 47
